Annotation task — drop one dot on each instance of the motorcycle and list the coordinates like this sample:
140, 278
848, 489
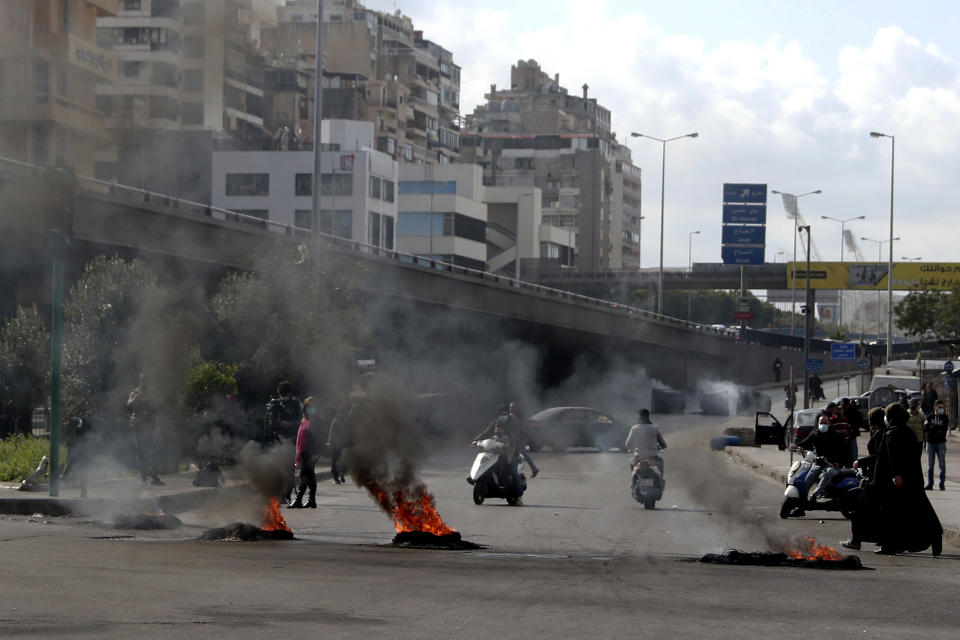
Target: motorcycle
497, 472
843, 494
647, 484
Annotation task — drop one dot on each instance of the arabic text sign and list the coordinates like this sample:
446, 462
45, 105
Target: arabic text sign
843, 351
737, 192
742, 255
734, 234
744, 214
872, 276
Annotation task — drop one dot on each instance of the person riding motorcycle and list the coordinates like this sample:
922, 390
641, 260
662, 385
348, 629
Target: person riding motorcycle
498, 430
645, 440
831, 447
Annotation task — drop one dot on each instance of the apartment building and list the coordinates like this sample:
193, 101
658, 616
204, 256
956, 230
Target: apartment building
50, 63
190, 80
377, 67
537, 135
358, 197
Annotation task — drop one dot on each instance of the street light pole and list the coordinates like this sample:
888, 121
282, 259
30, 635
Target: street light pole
793, 211
880, 244
842, 222
893, 144
807, 317
663, 179
317, 117
689, 269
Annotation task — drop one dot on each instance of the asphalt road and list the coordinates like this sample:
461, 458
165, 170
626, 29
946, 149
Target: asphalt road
580, 559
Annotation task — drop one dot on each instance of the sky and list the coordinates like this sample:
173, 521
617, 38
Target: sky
783, 93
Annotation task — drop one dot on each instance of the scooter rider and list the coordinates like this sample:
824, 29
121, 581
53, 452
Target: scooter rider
645, 439
829, 445
498, 430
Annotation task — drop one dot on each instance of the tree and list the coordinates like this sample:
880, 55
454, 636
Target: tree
930, 314
290, 319
24, 364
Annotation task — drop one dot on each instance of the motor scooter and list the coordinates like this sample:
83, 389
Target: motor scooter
843, 494
497, 472
647, 483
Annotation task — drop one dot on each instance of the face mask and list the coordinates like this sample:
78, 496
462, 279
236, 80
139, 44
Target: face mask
886, 422
311, 411
823, 428
940, 412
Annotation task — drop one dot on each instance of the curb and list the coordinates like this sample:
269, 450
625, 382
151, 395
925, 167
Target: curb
951, 533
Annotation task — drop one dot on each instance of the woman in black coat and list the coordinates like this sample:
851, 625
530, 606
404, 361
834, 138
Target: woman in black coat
906, 521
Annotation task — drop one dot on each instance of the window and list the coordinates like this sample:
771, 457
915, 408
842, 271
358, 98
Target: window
164, 107
428, 187
336, 184
425, 223
374, 235
303, 218
131, 68
343, 224
262, 216
193, 14
375, 187
303, 184
41, 76
248, 184
387, 190
193, 80
41, 142
192, 113
131, 5
193, 47
408, 152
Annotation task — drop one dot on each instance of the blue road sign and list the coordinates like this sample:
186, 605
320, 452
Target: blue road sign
737, 192
948, 366
740, 234
814, 364
742, 255
863, 364
843, 351
744, 214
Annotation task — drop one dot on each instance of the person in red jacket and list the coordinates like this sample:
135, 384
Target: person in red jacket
306, 458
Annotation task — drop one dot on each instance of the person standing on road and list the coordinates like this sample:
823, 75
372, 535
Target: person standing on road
645, 439
517, 429
338, 439
143, 429
790, 396
935, 429
907, 521
915, 421
928, 398
306, 459
777, 369
863, 524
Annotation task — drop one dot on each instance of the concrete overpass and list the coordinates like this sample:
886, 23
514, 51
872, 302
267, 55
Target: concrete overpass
190, 238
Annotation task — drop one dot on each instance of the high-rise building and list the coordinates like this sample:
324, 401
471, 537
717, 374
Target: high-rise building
50, 63
537, 135
378, 68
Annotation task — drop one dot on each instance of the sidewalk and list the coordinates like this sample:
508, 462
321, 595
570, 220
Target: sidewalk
771, 462
128, 495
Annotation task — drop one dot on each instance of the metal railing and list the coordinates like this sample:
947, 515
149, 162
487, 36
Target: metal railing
217, 213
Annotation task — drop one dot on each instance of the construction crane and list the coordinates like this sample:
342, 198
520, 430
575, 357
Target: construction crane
793, 212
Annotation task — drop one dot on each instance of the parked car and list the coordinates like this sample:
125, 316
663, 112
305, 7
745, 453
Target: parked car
562, 427
806, 421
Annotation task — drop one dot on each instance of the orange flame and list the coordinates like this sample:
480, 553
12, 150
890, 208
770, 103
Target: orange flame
816, 551
272, 519
416, 512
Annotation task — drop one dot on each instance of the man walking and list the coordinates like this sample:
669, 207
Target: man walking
935, 430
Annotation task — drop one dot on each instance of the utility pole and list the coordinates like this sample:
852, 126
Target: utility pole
317, 117
807, 325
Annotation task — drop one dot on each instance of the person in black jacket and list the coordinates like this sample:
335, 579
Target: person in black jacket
935, 428
832, 447
864, 523
906, 520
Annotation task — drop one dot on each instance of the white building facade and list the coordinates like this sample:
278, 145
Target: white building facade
358, 197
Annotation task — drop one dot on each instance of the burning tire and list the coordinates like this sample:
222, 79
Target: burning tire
788, 506
478, 495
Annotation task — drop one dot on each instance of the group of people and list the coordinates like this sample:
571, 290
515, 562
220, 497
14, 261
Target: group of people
289, 418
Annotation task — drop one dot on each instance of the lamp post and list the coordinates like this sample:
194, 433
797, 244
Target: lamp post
689, 269
807, 317
663, 178
893, 144
793, 211
880, 244
317, 117
842, 222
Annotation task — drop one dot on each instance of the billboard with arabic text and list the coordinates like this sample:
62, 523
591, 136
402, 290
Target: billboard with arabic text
872, 276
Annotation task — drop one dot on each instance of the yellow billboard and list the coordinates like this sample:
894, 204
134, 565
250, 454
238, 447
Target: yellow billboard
872, 276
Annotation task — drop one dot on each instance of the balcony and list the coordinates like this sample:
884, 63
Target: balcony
46, 107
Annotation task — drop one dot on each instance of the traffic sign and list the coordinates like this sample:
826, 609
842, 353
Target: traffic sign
742, 255
948, 366
738, 192
814, 364
845, 351
743, 235
863, 364
744, 214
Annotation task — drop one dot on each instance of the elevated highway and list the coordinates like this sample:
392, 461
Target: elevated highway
192, 240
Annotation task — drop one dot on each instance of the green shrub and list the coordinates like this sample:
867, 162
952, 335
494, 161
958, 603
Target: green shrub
20, 455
